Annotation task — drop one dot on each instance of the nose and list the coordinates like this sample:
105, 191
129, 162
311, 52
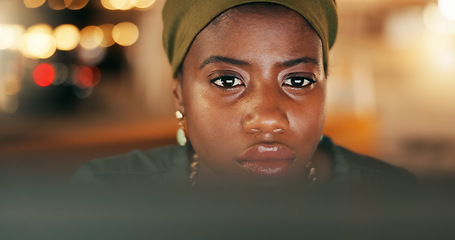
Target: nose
265, 113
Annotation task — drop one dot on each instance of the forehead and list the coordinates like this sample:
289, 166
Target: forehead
252, 9
246, 13
255, 30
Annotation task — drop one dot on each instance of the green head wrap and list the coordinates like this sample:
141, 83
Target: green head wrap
184, 19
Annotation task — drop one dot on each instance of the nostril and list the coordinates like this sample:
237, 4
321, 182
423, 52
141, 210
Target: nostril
278, 130
269, 119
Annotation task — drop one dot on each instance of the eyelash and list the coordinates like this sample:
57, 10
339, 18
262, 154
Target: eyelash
232, 82
305, 81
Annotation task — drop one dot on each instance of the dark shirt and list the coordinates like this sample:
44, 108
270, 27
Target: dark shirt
170, 164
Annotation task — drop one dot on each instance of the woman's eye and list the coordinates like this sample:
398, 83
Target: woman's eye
298, 82
227, 81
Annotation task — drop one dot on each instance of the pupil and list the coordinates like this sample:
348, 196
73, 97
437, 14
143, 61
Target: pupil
297, 81
228, 82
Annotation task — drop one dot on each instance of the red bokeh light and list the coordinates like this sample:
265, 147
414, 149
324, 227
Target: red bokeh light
88, 76
43, 74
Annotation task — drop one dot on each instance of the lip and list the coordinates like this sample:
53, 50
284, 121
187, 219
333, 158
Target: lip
267, 159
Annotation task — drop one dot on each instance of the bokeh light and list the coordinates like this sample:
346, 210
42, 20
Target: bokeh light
126, 4
91, 56
121, 4
43, 74
6, 37
107, 35
125, 33
436, 22
11, 84
67, 37
18, 33
91, 37
39, 42
107, 4
76, 4
142, 4
447, 60
447, 8
86, 77
440, 52
33, 3
57, 4
61, 73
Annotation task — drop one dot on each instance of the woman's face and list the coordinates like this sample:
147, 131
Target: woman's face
252, 90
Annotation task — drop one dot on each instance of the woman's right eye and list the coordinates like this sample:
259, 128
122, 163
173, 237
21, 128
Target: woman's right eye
227, 82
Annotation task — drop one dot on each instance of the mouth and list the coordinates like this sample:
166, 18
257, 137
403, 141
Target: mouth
267, 159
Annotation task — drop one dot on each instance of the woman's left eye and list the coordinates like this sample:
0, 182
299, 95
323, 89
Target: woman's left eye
227, 82
298, 82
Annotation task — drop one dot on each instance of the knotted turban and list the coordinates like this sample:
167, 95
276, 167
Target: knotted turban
184, 19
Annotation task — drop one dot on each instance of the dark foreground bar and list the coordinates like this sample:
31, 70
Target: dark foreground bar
176, 213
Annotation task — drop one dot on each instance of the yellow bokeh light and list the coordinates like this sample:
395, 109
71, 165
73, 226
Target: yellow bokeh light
91, 37
143, 3
18, 33
11, 36
125, 33
38, 42
76, 4
57, 4
67, 37
11, 84
33, 3
121, 4
436, 22
6, 37
107, 4
447, 8
441, 52
107, 31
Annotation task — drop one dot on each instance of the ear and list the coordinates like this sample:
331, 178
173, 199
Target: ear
178, 96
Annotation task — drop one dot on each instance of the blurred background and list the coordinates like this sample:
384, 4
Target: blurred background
83, 79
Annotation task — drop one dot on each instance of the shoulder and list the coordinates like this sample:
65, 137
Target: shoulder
357, 168
367, 165
141, 162
156, 165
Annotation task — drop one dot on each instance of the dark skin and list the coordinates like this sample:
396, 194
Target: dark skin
254, 77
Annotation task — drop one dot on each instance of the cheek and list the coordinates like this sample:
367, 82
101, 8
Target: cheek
210, 122
307, 117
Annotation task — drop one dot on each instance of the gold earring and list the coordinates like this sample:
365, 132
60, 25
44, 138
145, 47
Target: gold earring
181, 138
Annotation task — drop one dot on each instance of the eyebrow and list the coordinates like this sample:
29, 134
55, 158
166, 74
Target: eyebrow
215, 59
294, 62
289, 63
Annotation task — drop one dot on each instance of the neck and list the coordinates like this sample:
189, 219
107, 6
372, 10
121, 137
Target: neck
322, 161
